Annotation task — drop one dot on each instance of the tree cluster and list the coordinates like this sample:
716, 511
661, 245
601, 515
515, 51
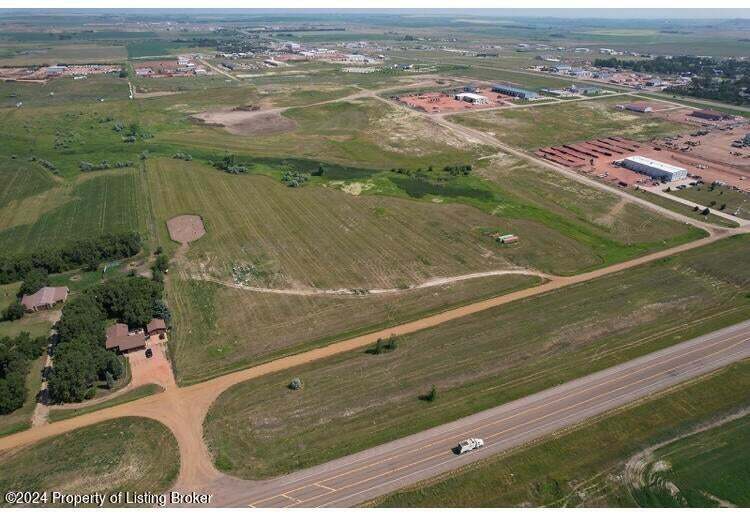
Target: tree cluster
294, 178
85, 166
230, 165
81, 358
16, 355
86, 253
456, 170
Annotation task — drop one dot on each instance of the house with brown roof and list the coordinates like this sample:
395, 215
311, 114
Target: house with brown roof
45, 298
119, 337
157, 326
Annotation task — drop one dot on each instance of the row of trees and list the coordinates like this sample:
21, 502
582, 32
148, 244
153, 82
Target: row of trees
16, 355
83, 253
81, 358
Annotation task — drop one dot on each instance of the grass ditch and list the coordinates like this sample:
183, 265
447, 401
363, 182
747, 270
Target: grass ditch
586, 466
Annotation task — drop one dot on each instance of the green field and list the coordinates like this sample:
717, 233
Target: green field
92, 204
359, 400
715, 197
366, 133
534, 127
127, 454
706, 468
39, 54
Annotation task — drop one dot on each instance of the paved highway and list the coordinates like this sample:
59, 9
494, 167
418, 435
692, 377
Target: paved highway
354, 479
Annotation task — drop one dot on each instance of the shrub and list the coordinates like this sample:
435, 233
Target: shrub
295, 384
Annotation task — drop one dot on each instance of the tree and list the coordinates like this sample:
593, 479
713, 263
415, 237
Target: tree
431, 396
109, 379
161, 263
14, 311
33, 282
705, 211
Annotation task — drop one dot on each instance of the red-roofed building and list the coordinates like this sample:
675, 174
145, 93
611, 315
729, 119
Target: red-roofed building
45, 298
123, 340
157, 326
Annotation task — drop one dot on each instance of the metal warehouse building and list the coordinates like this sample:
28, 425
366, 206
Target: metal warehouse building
514, 91
656, 169
470, 97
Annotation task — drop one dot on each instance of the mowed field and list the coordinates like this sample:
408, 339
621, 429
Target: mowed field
128, 454
534, 127
647, 455
313, 237
358, 400
267, 236
42, 210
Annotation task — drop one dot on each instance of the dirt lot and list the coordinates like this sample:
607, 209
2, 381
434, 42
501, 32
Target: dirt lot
671, 151
249, 123
186, 228
439, 102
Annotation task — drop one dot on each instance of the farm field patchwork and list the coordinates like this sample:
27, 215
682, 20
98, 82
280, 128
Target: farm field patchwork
476, 362
534, 127
134, 454
706, 469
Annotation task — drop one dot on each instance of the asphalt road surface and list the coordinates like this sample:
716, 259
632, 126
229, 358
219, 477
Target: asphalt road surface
369, 474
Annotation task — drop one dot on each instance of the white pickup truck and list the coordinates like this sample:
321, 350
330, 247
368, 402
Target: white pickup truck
469, 445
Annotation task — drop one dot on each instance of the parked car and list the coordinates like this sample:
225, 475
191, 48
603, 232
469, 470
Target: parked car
149, 353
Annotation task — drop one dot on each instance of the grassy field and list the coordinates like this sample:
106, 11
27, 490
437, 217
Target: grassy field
684, 209
587, 466
94, 203
210, 322
56, 415
39, 54
358, 400
276, 237
717, 197
128, 454
367, 133
317, 237
20, 419
535, 127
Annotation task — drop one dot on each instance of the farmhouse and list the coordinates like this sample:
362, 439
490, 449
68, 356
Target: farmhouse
120, 338
45, 298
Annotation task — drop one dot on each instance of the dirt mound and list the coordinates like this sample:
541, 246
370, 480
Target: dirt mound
186, 228
244, 122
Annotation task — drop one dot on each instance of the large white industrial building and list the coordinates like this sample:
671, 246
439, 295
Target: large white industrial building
656, 169
470, 97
